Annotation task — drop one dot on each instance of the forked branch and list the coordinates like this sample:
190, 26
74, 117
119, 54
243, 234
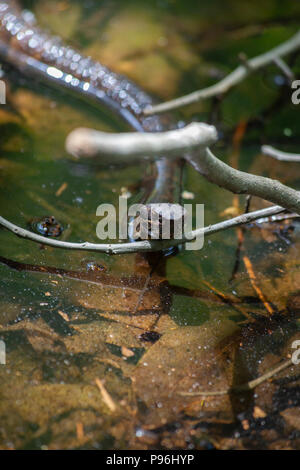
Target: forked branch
234, 78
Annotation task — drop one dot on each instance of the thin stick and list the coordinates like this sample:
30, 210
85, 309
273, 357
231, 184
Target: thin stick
235, 77
285, 69
105, 395
241, 388
255, 286
234, 162
227, 299
141, 246
241, 238
279, 155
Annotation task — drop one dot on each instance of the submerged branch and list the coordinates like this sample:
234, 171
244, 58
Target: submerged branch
140, 246
133, 145
235, 77
241, 388
279, 155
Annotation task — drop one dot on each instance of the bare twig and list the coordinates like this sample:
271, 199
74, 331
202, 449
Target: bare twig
140, 246
279, 155
244, 387
253, 280
241, 239
284, 68
133, 145
235, 77
106, 396
240, 182
278, 218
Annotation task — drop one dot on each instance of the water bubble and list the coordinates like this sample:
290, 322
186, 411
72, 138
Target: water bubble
287, 132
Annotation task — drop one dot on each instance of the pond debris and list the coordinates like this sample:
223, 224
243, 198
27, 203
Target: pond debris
255, 286
244, 387
245, 424
126, 352
64, 315
231, 211
258, 413
106, 396
187, 195
150, 336
61, 189
92, 266
80, 431
146, 436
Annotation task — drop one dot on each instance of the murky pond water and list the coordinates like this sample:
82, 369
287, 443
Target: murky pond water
95, 354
